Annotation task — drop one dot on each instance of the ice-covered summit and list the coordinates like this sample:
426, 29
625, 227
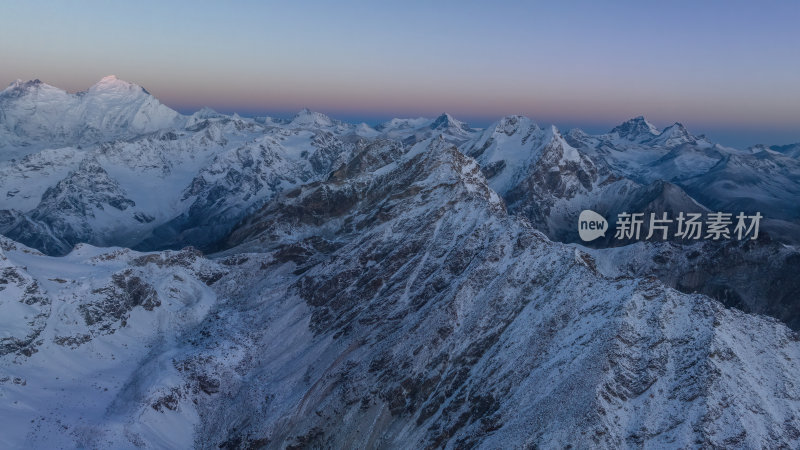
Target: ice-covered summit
35, 113
446, 121
674, 135
636, 129
111, 83
307, 117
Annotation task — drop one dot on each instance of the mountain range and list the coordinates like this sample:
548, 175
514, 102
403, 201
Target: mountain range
218, 281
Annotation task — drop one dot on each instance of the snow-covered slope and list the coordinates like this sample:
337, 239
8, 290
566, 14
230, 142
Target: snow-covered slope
396, 304
242, 178
76, 330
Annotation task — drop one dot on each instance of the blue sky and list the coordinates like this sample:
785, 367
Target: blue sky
725, 68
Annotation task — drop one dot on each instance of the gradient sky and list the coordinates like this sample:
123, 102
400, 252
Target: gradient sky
728, 69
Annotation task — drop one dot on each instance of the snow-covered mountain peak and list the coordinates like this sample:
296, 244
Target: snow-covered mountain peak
113, 84
112, 80
36, 115
401, 124
202, 115
674, 135
205, 111
636, 129
35, 90
508, 150
577, 133
18, 84
306, 114
675, 129
510, 125
307, 117
445, 121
